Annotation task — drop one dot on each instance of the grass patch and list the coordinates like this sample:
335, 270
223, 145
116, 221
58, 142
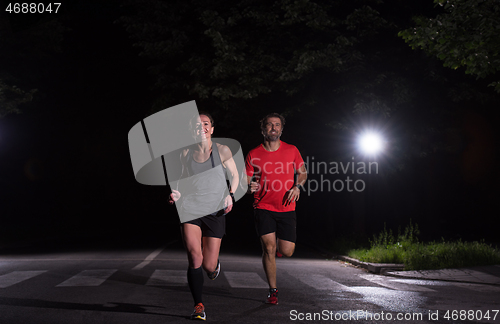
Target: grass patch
405, 248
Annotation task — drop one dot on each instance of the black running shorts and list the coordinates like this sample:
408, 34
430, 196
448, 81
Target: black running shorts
211, 225
284, 224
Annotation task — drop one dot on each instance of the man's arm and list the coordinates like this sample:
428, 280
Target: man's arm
301, 179
253, 186
294, 193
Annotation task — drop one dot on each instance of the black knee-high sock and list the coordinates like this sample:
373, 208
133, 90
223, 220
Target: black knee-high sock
195, 281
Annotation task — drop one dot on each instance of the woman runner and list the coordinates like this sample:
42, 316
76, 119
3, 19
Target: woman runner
202, 236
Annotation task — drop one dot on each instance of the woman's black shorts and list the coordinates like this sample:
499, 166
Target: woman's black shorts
211, 225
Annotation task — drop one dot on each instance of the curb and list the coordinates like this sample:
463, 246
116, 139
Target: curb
387, 268
406, 276
377, 268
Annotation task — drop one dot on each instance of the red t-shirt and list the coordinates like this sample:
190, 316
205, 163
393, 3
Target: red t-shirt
276, 173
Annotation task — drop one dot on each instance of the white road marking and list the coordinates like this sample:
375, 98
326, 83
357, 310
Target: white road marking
152, 256
148, 259
322, 283
88, 278
390, 299
395, 284
15, 277
477, 287
245, 280
168, 278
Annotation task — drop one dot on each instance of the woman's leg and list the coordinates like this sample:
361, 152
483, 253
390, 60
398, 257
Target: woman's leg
191, 236
211, 247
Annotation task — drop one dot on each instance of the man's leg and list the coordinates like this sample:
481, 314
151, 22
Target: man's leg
268, 242
286, 248
286, 233
266, 229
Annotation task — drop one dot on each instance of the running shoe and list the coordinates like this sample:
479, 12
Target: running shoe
279, 255
213, 275
272, 297
199, 312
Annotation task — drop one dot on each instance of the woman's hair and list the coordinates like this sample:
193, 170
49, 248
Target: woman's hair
263, 121
199, 114
209, 117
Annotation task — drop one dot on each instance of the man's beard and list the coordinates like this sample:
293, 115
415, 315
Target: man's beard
273, 137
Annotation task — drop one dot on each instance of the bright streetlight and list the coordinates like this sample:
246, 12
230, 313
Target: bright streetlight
370, 143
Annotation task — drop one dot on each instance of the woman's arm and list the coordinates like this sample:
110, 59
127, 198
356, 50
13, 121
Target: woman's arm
176, 195
228, 162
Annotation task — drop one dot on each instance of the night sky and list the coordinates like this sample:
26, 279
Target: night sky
65, 170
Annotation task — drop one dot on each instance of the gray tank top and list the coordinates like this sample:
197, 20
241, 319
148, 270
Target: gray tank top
207, 184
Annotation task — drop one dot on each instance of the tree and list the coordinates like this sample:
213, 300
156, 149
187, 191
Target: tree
27, 41
230, 51
466, 35
11, 97
342, 63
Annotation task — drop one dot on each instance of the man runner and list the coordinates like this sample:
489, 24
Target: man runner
273, 164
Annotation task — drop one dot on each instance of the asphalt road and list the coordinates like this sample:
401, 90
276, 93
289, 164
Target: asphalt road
148, 285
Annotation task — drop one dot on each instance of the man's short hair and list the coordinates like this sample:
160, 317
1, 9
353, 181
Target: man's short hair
263, 121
